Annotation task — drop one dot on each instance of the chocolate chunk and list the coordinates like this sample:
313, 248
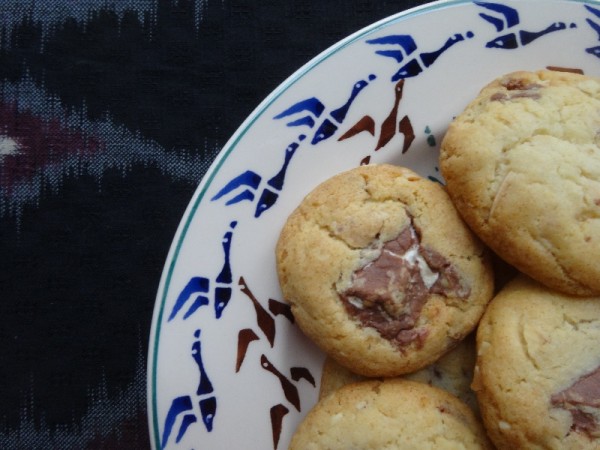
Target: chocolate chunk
389, 293
502, 97
584, 422
526, 94
578, 398
499, 97
518, 89
516, 84
448, 284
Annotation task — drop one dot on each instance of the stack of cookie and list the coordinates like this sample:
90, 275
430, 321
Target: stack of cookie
392, 274
522, 165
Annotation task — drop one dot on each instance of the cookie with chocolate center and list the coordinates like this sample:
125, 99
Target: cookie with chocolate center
522, 165
381, 415
453, 373
380, 270
537, 376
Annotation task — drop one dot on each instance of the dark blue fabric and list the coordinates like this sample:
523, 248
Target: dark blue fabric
109, 117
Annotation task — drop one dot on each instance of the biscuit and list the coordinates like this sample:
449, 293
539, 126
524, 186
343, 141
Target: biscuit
334, 376
453, 373
522, 165
537, 376
382, 415
380, 270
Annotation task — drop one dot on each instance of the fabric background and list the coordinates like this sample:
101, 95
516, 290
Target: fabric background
110, 114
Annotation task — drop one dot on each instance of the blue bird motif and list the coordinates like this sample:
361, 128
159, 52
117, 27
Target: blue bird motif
504, 18
404, 51
196, 292
310, 114
596, 27
184, 405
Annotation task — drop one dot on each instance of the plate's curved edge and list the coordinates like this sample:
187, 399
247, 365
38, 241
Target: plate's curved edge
213, 170
230, 145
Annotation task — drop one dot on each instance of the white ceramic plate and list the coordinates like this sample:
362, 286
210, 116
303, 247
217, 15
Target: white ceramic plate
228, 369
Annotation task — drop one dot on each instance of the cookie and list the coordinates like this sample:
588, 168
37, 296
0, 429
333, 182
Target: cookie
453, 373
335, 376
537, 376
380, 270
522, 165
382, 415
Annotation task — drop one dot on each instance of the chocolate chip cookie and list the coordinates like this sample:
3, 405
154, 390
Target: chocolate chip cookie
522, 165
537, 376
453, 373
380, 270
374, 415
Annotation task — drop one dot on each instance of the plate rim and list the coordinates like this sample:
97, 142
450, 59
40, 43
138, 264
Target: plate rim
222, 156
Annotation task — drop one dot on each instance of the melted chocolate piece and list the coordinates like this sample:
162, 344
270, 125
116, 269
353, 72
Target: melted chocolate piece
533, 95
389, 293
450, 282
585, 392
501, 96
498, 97
517, 84
518, 89
583, 422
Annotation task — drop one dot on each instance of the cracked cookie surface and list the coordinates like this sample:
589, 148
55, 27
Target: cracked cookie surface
522, 165
380, 270
537, 376
381, 415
